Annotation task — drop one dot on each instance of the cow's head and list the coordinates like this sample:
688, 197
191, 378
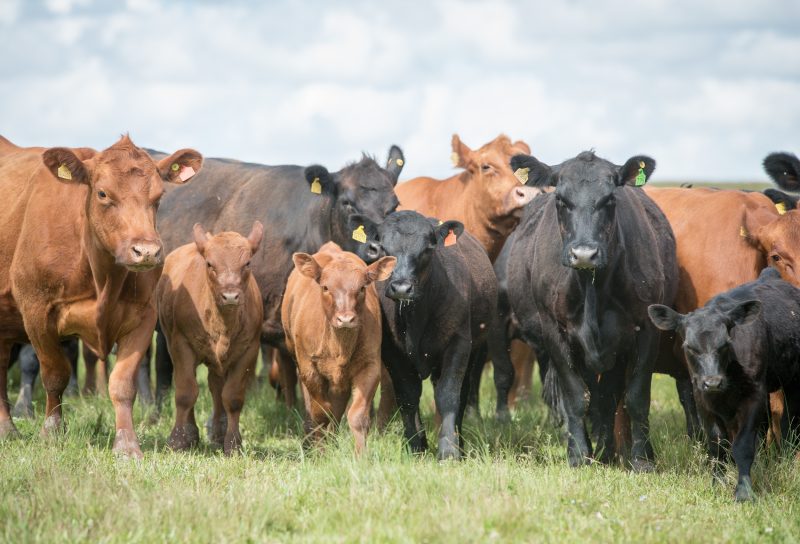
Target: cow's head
362, 188
499, 190
125, 186
227, 256
343, 279
585, 200
706, 338
784, 169
412, 239
780, 243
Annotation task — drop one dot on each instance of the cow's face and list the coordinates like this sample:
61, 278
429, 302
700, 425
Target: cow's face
585, 201
227, 256
411, 238
501, 192
125, 186
362, 188
780, 243
344, 280
706, 339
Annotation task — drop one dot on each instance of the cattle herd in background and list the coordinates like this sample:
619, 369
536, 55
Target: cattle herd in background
348, 281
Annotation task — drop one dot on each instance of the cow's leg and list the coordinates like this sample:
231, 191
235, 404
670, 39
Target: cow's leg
567, 391
185, 433
474, 390
233, 393
217, 423
777, 409
522, 359
164, 370
122, 382
498, 344
388, 403
715, 443
744, 450
29, 368
606, 396
70, 348
364, 386
55, 370
637, 400
408, 390
143, 381
96, 373
447, 394
318, 416
7, 428
693, 426
288, 378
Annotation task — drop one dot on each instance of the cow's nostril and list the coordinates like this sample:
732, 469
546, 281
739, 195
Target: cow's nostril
136, 251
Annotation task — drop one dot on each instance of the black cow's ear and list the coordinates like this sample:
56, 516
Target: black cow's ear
531, 171
395, 162
65, 165
664, 317
320, 180
784, 169
783, 201
448, 232
743, 313
636, 171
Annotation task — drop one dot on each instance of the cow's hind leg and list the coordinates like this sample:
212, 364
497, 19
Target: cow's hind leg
164, 370
29, 368
693, 426
447, 394
7, 428
55, 370
498, 345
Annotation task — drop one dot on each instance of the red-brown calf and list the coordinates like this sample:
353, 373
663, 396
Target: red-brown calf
210, 310
332, 320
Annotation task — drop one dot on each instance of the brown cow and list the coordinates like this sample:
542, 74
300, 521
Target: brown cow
210, 311
332, 318
486, 197
80, 256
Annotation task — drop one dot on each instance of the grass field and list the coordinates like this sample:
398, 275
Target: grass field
513, 486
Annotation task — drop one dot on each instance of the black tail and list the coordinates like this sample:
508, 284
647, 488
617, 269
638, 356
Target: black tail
551, 393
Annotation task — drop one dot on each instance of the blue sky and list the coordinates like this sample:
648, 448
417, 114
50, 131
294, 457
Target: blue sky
706, 88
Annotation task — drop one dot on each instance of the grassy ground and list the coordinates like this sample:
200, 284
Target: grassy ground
514, 485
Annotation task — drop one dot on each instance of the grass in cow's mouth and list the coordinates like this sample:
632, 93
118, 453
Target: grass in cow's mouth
513, 486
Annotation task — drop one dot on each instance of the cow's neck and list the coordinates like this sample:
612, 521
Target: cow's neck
108, 278
490, 229
335, 342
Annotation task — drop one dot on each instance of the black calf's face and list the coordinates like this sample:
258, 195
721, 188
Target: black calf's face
585, 197
706, 339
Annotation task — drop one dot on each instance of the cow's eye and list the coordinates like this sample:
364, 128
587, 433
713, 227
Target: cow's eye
486, 167
208, 264
776, 258
102, 194
324, 288
247, 264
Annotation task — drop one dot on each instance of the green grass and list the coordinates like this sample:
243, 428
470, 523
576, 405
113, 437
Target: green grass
513, 486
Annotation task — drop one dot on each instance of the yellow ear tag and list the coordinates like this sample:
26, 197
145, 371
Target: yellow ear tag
359, 235
743, 232
781, 207
316, 186
440, 223
63, 172
399, 162
522, 175
454, 158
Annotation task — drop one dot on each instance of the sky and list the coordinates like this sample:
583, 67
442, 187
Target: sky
706, 88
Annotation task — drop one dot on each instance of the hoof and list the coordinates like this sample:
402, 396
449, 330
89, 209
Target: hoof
8, 430
53, 425
744, 491
126, 445
503, 415
183, 438
642, 465
216, 433
448, 452
471, 412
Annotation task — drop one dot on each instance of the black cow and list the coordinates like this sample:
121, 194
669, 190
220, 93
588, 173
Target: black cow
301, 208
588, 260
741, 346
436, 309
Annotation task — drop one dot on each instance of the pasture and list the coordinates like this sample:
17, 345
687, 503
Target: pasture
514, 484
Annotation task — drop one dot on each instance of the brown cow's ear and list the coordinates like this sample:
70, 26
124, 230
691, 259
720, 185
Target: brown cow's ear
256, 233
181, 166
65, 165
307, 266
522, 147
462, 155
381, 269
201, 237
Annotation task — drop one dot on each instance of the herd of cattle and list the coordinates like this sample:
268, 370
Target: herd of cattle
605, 280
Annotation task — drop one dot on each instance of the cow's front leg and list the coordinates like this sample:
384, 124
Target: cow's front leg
122, 382
408, 390
637, 400
447, 394
744, 448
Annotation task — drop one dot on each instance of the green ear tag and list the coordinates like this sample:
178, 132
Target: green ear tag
640, 177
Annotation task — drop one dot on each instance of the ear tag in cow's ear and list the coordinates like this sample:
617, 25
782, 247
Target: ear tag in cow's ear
316, 187
175, 166
63, 172
359, 235
186, 173
640, 177
450, 239
399, 162
454, 158
522, 175
781, 207
743, 232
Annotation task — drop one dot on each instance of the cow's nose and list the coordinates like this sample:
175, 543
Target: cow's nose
402, 288
583, 257
712, 383
230, 298
145, 254
373, 251
346, 319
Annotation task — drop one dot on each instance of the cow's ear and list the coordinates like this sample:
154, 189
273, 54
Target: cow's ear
181, 166
743, 313
783, 201
664, 317
320, 180
65, 165
448, 229
636, 170
381, 269
531, 171
462, 154
395, 162
307, 266
201, 237
784, 169
521, 147
255, 236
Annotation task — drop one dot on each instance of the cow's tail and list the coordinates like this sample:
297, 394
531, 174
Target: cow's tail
551, 393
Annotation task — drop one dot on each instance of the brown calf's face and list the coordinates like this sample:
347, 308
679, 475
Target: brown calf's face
227, 257
780, 242
125, 186
490, 170
343, 280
